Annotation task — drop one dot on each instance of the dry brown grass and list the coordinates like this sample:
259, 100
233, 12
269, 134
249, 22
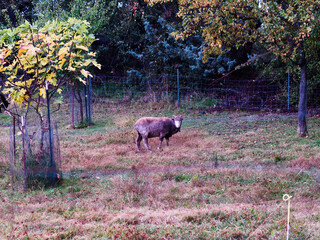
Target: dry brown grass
221, 177
306, 163
4, 147
99, 152
106, 207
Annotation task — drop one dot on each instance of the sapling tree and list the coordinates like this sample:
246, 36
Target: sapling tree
33, 58
38, 62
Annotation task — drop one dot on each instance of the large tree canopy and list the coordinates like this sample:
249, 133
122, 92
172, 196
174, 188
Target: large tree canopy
288, 29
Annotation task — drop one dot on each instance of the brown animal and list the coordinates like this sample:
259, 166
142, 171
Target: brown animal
149, 127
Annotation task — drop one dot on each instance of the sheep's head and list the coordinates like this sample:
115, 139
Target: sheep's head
177, 121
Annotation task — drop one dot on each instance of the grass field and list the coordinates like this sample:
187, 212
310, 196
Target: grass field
222, 177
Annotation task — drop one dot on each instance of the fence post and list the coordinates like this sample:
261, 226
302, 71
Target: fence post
72, 106
288, 89
52, 167
286, 198
13, 160
178, 86
86, 98
89, 100
14, 138
24, 152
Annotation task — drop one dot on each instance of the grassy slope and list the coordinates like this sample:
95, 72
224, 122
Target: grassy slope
223, 177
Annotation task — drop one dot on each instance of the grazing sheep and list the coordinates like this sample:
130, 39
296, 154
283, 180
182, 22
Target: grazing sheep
149, 127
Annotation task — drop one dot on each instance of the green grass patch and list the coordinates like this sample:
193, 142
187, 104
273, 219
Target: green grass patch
5, 119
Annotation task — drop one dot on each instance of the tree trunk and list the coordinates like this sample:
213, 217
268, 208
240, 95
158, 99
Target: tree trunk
302, 111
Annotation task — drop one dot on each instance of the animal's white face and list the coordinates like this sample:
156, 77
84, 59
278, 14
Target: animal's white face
177, 124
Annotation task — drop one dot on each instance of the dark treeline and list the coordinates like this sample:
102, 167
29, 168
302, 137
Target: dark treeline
133, 38
137, 40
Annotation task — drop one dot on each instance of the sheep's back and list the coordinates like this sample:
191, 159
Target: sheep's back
152, 126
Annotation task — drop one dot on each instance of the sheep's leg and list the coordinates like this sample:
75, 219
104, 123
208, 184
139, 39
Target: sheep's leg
160, 142
145, 141
139, 138
167, 140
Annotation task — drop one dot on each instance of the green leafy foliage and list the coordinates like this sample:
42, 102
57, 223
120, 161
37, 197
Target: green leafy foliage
13, 13
288, 29
281, 27
97, 13
34, 59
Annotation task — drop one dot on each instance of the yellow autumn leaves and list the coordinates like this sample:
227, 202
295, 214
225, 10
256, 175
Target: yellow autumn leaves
56, 54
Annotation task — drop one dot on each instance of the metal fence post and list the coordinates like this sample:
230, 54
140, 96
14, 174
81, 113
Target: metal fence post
89, 100
86, 98
13, 160
178, 86
288, 89
24, 152
52, 172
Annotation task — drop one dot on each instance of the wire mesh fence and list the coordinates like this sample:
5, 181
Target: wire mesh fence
80, 103
258, 94
31, 162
